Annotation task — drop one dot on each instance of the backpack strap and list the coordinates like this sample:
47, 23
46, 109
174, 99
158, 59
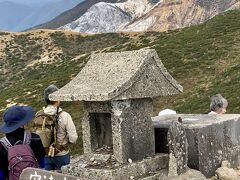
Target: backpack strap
5, 142
56, 126
27, 138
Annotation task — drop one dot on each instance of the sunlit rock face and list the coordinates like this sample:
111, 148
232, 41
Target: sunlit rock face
168, 15
148, 15
100, 18
110, 17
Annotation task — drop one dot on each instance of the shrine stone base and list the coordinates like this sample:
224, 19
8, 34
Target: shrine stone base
148, 167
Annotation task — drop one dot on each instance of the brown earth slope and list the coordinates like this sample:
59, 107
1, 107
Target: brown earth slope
174, 14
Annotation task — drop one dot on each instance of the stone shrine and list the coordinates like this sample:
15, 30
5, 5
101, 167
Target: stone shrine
117, 90
122, 140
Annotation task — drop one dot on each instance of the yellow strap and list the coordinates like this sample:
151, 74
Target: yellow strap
55, 135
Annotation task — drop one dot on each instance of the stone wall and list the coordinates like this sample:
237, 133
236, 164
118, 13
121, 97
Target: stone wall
211, 139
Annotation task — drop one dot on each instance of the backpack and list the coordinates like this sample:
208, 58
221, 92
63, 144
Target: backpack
45, 126
20, 156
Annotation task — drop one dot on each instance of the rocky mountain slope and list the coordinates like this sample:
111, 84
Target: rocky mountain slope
109, 17
204, 59
146, 15
102, 17
176, 14
135, 16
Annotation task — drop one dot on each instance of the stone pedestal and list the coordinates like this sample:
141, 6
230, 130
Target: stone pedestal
133, 170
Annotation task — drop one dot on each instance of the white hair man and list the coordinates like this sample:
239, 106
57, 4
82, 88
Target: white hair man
218, 104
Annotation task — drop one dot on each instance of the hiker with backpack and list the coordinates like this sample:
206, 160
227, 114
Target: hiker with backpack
19, 149
57, 131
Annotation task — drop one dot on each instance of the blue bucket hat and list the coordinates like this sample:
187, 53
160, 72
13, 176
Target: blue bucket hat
15, 117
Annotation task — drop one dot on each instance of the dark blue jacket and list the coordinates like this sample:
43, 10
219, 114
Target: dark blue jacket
13, 137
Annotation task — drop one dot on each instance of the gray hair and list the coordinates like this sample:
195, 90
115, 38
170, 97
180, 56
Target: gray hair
49, 90
217, 102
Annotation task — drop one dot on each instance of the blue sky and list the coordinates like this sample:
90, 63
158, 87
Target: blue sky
28, 13
30, 2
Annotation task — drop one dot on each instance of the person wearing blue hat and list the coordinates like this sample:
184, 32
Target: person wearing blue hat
14, 119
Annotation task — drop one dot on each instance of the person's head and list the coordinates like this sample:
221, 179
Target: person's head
16, 117
218, 104
49, 90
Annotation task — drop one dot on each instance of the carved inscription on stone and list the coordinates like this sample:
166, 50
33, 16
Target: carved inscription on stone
39, 174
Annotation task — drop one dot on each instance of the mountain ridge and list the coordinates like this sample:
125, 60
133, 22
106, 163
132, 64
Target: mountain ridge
157, 15
70, 15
